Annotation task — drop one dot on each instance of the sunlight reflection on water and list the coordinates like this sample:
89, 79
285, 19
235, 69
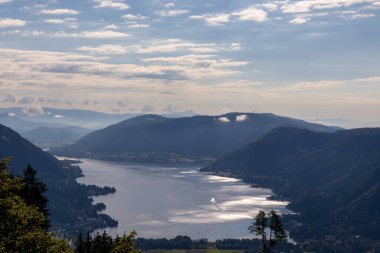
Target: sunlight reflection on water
160, 201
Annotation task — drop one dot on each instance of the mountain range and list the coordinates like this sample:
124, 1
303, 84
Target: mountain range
331, 179
196, 138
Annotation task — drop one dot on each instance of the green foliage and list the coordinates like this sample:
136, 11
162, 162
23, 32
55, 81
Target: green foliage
268, 222
22, 226
126, 244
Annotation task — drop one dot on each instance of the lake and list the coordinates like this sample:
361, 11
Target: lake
164, 201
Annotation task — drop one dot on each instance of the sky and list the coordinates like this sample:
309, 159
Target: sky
308, 59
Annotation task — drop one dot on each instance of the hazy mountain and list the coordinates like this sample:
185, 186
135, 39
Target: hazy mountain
51, 117
21, 125
68, 201
331, 179
46, 137
191, 137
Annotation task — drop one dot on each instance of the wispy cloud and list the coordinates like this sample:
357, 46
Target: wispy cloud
101, 34
172, 12
251, 13
162, 46
60, 12
104, 49
133, 17
213, 19
120, 5
54, 21
10, 22
169, 5
137, 26
309, 5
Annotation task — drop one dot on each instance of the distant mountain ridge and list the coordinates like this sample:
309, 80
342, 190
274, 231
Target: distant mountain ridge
46, 137
196, 137
331, 179
17, 119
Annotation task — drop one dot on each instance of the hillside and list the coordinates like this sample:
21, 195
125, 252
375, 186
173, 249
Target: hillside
69, 201
331, 179
197, 137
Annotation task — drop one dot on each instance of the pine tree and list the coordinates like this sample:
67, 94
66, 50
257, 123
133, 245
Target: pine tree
80, 247
33, 192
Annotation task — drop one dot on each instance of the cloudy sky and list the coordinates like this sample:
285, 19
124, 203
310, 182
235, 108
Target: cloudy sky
312, 59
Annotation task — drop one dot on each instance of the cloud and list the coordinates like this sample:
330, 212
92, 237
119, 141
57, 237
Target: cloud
133, 17
299, 20
172, 12
120, 5
310, 5
361, 15
10, 22
169, 5
58, 70
314, 85
241, 118
10, 98
104, 49
54, 21
224, 119
101, 34
161, 46
270, 6
235, 46
33, 33
111, 27
60, 12
251, 13
33, 111
5, 1
136, 26
213, 19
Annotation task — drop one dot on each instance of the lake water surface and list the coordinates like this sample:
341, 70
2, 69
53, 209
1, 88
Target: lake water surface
164, 201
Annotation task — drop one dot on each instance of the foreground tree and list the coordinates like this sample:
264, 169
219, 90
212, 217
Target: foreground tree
33, 192
22, 226
268, 223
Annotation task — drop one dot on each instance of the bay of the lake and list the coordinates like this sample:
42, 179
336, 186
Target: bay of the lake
164, 201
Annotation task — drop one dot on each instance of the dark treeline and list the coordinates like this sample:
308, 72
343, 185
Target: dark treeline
104, 243
179, 242
254, 245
